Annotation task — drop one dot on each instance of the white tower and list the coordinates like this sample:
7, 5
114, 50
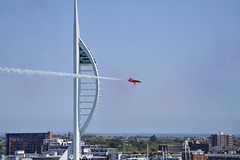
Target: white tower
76, 117
85, 91
186, 149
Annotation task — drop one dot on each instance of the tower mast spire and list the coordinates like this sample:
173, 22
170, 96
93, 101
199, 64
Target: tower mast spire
76, 140
81, 57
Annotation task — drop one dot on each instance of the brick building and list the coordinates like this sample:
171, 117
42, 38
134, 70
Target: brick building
222, 139
194, 155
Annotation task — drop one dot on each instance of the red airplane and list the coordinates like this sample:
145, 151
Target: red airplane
134, 81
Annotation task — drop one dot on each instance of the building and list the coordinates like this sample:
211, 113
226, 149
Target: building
21, 155
161, 156
56, 145
173, 149
222, 157
222, 139
225, 150
133, 157
194, 155
28, 142
70, 135
115, 156
202, 146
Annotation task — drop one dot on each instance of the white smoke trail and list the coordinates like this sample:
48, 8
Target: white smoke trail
49, 74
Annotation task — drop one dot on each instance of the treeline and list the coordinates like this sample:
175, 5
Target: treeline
133, 145
105, 143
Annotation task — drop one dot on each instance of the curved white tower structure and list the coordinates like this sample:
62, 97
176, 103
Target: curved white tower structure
85, 91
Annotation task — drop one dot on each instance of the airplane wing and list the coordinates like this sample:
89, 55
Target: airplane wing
134, 83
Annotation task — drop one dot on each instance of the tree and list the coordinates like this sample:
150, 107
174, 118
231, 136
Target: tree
98, 140
153, 138
114, 143
2, 149
178, 141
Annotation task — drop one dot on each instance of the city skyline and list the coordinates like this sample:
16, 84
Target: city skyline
185, 53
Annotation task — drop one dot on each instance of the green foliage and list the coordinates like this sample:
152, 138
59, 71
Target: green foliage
109, 143
114, 143
153, 138
153, 147
130, 148
142, 146
178, 141
96, 141
2, 149
133, 145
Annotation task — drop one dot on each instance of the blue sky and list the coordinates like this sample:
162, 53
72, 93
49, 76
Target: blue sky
185, 52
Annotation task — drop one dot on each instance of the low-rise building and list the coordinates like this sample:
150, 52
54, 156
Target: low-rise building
55, 145
193, 155
173, 149
115, 155
222, 157
133, 157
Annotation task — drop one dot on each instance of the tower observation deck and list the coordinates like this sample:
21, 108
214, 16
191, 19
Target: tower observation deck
85, 91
